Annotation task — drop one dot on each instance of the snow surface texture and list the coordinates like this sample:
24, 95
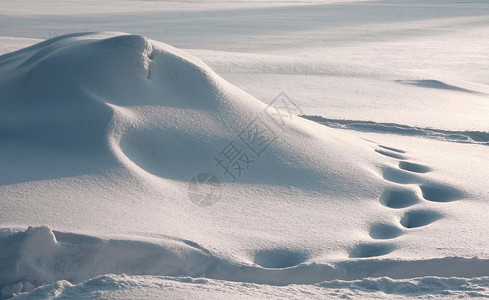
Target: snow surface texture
102, 133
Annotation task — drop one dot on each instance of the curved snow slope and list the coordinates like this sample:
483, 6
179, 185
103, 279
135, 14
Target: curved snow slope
128, 100
100, 134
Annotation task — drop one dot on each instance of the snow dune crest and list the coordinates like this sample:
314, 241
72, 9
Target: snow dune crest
123, 98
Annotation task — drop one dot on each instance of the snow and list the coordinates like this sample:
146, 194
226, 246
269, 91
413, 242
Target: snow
107, 140
158, 287
53, 260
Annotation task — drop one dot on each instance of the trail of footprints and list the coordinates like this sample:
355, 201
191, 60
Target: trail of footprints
404, 197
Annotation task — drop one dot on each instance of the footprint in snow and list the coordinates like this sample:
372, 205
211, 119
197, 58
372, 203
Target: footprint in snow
371, 250
403, 197
399, 198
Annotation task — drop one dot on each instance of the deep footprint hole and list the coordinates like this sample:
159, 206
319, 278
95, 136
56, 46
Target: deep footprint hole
398, 198
389, 153
419, 218
371, 250
279, 258
440, 193
413, 167
392, 149
381, 231
399, 176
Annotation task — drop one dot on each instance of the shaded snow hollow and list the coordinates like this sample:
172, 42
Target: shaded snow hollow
102, 133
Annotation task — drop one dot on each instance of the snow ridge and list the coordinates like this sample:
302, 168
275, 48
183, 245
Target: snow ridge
45, 256
467, 137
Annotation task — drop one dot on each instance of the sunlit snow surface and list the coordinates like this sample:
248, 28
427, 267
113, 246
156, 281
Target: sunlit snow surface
380, 190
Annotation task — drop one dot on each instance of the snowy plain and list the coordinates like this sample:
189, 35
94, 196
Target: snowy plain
379, 190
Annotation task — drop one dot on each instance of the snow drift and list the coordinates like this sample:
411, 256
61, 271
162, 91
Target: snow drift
124, 98
101, 134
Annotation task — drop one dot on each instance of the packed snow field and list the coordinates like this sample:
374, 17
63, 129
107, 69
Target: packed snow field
154, 149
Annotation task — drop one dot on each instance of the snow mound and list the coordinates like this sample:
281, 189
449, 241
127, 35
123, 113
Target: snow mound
106, 134
39, 256
102, 122
113, 99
